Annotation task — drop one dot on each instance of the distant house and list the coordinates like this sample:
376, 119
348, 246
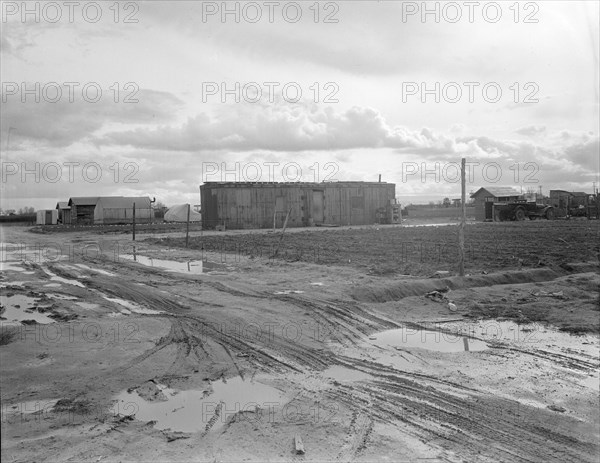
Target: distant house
484, 200
99, 210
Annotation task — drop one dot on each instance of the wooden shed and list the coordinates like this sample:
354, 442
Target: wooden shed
266, 204
485, 198
46, 217
82, 209
64, 212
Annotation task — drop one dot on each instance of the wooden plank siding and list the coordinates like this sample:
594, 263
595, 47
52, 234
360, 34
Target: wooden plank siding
257, 205
105, 215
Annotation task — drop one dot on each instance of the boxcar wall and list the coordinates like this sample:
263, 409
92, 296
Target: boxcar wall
239, 205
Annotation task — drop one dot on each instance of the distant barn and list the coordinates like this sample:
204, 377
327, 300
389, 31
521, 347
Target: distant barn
102, 210
266, 204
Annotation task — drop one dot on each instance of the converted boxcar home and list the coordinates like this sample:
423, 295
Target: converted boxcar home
266, 204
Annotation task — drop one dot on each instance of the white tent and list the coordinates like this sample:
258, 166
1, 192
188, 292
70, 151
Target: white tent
179, 212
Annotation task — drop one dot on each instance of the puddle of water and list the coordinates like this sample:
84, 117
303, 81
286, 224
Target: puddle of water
192, 266
53, 285
55, 277
132, 306
424, 339
14, 267
341, 373
16, 315
535, 335
445, 224
13, 283
192, 411
96, 270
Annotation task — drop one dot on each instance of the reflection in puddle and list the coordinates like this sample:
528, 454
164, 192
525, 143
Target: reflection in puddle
200, 410
340, 373
536, 335
425, 339
15, 310
192, 266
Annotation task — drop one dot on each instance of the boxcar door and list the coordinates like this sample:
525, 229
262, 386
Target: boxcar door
317, 206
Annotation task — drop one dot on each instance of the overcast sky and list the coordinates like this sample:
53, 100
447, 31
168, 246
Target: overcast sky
516, 89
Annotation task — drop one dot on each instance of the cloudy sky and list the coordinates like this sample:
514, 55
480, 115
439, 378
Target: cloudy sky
154, 98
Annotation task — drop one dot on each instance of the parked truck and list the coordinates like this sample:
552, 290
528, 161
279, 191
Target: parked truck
522, 209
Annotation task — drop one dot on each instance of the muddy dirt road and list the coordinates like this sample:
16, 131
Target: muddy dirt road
216, 354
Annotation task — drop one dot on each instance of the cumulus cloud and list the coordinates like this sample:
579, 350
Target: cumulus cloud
531, 130
283, 127
64, 123
586, 154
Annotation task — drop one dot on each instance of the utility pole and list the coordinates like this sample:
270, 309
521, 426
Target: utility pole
187, 226
463, 219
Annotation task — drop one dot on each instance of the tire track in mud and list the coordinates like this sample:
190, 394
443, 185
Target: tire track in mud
359, 430
193, 333
198, 337
345, 321
567, 361
450, 417
479, 426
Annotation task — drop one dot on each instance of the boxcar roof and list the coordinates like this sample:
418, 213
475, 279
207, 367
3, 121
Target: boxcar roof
291, 184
